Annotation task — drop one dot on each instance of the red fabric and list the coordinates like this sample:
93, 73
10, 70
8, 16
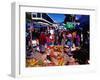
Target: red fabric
42, 38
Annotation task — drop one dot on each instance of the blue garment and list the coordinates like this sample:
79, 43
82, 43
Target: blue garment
69, 43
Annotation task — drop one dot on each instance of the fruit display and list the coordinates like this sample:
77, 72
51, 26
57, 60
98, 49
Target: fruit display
58, 48
53, 56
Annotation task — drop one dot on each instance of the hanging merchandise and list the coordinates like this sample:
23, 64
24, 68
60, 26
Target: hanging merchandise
70, 25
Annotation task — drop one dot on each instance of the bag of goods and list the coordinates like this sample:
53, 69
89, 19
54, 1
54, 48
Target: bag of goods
40, 63
72, 61
51, 64
60, 61
55, 61
31, 62
52, 53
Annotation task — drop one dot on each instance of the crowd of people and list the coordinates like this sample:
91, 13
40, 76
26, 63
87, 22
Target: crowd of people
51, 46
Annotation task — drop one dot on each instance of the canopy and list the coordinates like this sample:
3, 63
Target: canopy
39, 26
